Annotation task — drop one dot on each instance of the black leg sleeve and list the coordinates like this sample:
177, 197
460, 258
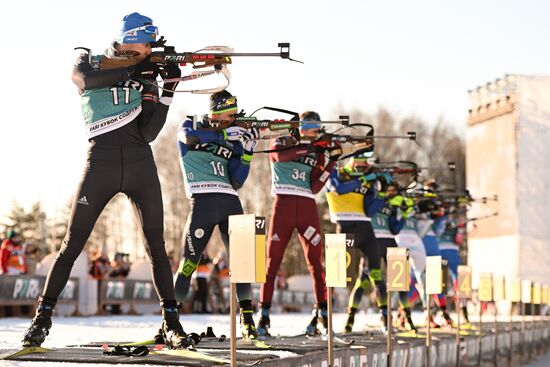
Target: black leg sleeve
98, 185
143, 188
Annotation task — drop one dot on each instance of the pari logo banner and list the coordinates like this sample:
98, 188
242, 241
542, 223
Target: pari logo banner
24, 287
129, 290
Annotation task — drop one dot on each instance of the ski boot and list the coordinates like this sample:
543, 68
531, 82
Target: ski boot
264, 323
312, 329
448, 319
351, 320
384, 321
406, 318
172, 332
323, 319
465, 313
40, 326
248, 328
409, 320
433, 324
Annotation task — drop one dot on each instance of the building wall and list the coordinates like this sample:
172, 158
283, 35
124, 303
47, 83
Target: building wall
534, 177
491, 169
508, 154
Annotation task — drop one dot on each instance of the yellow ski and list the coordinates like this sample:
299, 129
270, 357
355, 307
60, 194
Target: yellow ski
192, 354
25, 350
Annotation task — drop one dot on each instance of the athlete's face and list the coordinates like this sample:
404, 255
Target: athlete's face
310, 133
360, 165
228, 116
143, 49
391, 191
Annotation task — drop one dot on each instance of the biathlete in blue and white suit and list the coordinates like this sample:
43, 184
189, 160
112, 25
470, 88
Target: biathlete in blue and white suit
215, 164
431, 223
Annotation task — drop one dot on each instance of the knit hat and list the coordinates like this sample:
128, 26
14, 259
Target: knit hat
222, 102
137, 28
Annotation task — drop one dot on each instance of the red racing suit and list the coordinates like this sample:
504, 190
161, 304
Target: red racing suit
297, 175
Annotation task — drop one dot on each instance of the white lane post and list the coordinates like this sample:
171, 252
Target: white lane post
398, 272
464, 291
247, 262
336, 266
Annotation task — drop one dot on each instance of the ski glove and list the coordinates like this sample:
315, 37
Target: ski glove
250, 139
169, 70
144, 70
233, 133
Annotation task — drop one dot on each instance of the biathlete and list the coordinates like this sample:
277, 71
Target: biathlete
215, 164
122, 116
298, 173
387, 221
349, 192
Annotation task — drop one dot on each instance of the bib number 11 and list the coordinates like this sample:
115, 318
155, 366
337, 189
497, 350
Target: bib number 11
114, 91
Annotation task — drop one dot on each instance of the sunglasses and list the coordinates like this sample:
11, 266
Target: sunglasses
227, 104
149, 29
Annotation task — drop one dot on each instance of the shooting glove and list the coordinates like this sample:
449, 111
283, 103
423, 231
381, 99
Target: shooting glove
318, 146
250, 139
144, 70
365, 179
335, 152
169, 70
397, 200
233, 133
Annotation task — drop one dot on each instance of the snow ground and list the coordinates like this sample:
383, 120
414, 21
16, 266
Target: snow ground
79, 330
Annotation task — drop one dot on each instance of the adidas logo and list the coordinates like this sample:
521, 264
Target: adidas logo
275, 237
83, 201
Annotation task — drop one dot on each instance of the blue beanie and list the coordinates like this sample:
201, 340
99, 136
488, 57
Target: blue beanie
137, 28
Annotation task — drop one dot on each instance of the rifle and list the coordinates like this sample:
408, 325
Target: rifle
216, 58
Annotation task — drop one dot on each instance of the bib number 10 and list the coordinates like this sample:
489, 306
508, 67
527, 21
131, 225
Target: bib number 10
217, 168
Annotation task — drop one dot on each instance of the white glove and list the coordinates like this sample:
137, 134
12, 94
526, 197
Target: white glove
234, 133
250, 139
250, 145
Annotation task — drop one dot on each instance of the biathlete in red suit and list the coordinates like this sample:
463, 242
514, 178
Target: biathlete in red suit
298, 173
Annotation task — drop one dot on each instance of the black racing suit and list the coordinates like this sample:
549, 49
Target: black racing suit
118, 161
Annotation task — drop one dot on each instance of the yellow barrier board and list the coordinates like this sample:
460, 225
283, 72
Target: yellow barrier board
537, 294
398, 269
465, 281
434, 275
514, 290
485, 291
247, 253
526, 291
499, 289
335, 260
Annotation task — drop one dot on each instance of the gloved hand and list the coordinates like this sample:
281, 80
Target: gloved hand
369, 177
384, 177
335, 152
170, 70
319, 146
250, 139
233, 133
397, 200
408, 207
144, 70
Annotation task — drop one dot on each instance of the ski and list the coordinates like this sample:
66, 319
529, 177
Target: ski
25, 350
193, 354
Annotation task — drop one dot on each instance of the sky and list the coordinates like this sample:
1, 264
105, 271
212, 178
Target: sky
413, 57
